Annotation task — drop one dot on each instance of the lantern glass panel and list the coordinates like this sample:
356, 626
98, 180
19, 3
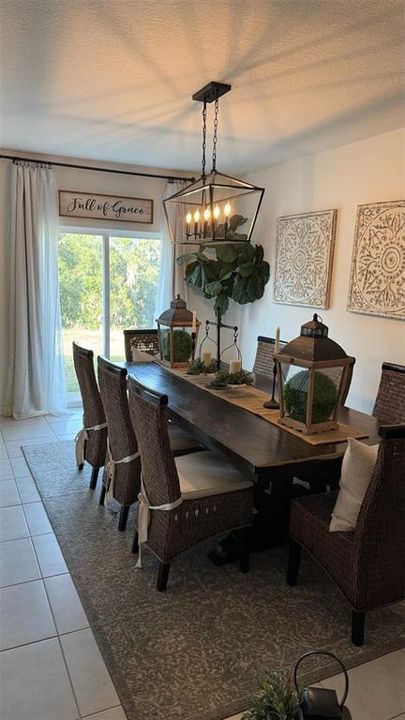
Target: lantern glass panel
296, 382
180, 339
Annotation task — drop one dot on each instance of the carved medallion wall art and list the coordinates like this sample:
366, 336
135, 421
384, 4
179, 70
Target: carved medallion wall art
304, 257
377, 283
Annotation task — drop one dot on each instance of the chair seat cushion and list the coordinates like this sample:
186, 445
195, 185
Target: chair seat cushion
180, 439
205, 473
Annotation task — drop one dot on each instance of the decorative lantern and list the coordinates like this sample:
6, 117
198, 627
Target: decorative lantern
321, 703
313, 372
177, 331
215, 208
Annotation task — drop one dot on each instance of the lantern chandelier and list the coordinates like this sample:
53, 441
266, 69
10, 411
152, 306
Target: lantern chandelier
216, 208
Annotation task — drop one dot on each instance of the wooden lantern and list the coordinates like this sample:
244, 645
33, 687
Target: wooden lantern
312, 372
177, 332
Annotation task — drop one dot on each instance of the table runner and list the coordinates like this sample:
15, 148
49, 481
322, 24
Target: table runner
251, 399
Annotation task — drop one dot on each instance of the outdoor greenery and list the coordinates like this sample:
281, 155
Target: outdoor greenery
134, 266
324, 399
227, 271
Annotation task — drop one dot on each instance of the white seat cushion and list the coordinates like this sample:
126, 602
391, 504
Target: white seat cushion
205, 473
357, 467
180, 439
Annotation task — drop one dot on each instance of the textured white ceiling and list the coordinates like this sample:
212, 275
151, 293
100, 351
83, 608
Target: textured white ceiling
113, 79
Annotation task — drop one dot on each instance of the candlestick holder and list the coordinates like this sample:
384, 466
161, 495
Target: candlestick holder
193, 339
272, 404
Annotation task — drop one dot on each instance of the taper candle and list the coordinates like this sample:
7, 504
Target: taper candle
194, 326
277, 342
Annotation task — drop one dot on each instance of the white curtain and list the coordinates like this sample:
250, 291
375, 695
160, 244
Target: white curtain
36, 383
171, 276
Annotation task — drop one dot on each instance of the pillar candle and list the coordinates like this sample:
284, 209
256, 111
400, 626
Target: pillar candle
235, 366
277, 342
207, 358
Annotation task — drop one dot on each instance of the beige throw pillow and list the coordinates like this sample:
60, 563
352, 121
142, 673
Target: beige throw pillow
357, 467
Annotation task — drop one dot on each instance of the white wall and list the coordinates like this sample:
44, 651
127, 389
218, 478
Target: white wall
368, 171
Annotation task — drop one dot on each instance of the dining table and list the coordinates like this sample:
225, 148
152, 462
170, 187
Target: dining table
279, 463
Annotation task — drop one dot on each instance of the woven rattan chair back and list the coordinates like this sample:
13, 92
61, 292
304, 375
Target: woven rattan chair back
144, 340
149, 414
121, 436
380, 529
263, 364
93, 410
389, 406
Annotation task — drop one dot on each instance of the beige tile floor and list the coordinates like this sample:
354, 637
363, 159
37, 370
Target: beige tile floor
51, 668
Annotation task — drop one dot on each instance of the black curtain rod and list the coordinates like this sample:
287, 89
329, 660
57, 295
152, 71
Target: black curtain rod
97, 169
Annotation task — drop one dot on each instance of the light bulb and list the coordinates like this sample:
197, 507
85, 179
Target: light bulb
227, 210
188, 218
216, 212
196, 216
207, 214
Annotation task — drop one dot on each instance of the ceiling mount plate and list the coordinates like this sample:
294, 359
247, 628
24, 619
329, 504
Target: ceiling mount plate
211, 92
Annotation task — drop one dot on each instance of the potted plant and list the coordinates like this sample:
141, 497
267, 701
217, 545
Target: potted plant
277, 699
236, 271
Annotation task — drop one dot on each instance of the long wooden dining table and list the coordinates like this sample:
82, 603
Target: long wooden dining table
268, 454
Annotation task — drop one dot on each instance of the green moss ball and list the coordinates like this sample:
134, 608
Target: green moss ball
324, 398
182, 342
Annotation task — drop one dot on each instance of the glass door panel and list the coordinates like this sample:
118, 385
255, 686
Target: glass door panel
81, 292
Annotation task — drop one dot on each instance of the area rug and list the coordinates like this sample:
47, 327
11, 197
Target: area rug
199, 650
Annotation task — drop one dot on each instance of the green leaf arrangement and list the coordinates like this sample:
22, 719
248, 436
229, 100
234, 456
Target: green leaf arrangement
277, 699
230, 271
197, 367
243, 377
296, 394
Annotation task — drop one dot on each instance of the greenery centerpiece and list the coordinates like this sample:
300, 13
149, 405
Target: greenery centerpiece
296, 397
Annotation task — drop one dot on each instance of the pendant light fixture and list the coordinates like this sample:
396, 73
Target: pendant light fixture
216, 208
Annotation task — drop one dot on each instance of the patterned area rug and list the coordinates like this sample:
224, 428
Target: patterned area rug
199, 650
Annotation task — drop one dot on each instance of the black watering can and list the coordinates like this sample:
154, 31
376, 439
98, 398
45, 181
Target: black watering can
321, 703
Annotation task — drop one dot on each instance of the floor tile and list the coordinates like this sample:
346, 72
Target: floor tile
91, 682
67, 428
49, 555
12, 523
9, 494
20, 467
37, 519
14, 446
28, 614
28, 490
6, 422
35, 684
65, 603
3, 451
116, 713
17, 562
6, 471
377, 688
22, 432
76, 414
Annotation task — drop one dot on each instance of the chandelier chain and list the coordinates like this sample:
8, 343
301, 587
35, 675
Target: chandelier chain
204, 138
215, 137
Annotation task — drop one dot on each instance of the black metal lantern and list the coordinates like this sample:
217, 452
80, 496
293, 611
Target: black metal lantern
312, 372
177, 332
215, 208
319, 703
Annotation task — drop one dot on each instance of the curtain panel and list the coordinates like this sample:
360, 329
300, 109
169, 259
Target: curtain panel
36, 382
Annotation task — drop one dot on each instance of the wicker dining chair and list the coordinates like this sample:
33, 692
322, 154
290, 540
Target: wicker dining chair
183, 500
263, 364
389, 405
367, 564
146, 341
91, 441
123, 468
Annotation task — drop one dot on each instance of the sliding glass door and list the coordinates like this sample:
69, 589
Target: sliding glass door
107, 282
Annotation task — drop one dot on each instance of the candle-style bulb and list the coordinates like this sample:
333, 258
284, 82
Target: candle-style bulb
196, 216
227, 210
188, 218
216, 212
207, 214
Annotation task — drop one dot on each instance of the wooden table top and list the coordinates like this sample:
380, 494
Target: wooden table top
255, 444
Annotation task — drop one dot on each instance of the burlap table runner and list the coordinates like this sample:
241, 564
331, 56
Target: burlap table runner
251, 399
